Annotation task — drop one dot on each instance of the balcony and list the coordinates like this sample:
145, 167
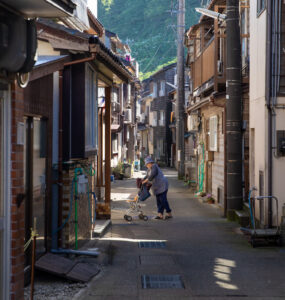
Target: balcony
204, 67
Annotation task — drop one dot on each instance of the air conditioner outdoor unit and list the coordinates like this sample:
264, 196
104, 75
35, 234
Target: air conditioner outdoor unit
128, 116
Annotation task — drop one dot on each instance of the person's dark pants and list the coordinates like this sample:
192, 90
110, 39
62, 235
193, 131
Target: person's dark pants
162, 203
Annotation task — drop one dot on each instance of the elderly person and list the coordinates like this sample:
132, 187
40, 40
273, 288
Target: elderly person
159, 188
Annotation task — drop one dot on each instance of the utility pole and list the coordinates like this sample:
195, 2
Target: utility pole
234, 109
180, 89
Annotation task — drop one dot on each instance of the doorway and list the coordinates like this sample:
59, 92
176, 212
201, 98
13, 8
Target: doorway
35, 161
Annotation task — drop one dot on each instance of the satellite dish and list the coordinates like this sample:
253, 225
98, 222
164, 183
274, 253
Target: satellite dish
23, 79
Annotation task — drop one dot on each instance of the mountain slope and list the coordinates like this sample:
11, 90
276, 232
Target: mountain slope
148, 26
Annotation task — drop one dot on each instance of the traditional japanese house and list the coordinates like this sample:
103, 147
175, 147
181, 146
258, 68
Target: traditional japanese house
18, 50
206, 58
160, 110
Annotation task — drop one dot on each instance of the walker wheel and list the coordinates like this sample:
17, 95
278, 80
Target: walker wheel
129, 218
145, 218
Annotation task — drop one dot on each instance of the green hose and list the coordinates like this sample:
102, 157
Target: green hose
202, 171
79, 171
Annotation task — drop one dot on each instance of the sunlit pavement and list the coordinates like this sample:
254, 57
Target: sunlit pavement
211, 258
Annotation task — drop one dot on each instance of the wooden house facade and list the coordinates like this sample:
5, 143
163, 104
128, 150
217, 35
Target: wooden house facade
206, 59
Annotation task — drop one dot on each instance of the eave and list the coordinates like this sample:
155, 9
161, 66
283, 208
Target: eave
40, 8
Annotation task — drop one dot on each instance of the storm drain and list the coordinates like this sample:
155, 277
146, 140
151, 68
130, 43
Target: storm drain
152, 244
162, 282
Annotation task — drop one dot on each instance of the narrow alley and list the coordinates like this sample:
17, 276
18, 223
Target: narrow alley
207, 256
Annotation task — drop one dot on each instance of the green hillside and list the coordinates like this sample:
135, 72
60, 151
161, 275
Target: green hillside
148, 26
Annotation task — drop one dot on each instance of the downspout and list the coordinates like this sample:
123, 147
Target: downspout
55, 185
268, 103
60, 174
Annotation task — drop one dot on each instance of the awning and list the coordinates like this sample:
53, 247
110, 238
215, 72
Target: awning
41, 8
48, 59
48, 64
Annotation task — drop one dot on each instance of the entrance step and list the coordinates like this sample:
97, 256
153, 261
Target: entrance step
242, 217
101, 227
66, 268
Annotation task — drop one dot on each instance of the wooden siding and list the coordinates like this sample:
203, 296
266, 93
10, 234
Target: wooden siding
204, 66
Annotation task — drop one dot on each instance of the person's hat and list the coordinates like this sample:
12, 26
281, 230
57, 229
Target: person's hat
148, 160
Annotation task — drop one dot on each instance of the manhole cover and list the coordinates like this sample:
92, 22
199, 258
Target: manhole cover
155, 244
162, 282
156, 260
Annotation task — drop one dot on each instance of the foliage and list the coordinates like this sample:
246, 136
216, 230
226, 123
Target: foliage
144, 76
149, 27
119, 169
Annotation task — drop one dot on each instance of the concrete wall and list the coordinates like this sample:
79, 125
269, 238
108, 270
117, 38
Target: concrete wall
259, 115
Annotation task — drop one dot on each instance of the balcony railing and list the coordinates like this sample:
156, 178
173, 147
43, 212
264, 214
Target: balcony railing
203, 68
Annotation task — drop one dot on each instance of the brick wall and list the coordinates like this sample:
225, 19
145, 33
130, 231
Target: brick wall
17, 187
84, 221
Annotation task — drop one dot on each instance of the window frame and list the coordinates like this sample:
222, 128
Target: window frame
154, 90
162, 118
213, 133
91, 114
162, 88
259, 9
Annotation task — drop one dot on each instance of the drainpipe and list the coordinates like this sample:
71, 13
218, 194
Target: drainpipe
268, 103
60, 175
55, 186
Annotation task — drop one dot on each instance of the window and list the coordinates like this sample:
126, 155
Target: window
114, 143
154, 118
90, 111
161, 118
213, 136
260, 6
154, 90
162, 89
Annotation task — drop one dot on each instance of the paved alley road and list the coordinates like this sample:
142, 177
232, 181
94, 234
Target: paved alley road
211, 258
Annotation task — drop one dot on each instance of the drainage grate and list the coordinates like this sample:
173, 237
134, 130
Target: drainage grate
162, 282
152, 245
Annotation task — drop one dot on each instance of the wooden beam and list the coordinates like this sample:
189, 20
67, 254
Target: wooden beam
107, 145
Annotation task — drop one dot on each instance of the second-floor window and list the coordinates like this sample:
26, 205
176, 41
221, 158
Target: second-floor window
161, 118
162, 89
260, 6
154, 90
